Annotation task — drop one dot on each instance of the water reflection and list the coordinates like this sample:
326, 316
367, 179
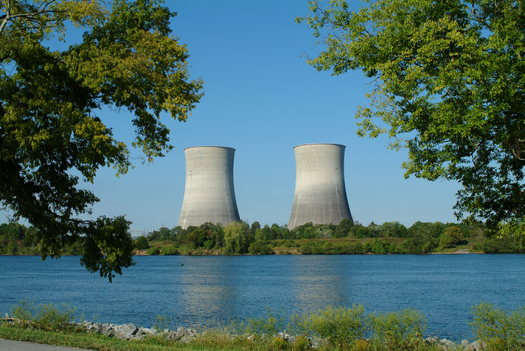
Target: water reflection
209, 287
317, 281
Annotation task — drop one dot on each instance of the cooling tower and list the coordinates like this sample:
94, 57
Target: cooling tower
209, 195
320, 195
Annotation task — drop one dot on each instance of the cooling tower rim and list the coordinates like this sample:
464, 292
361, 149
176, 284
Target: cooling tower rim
209, 146
313, 144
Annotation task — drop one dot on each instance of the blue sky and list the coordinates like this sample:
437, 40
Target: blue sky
262, 99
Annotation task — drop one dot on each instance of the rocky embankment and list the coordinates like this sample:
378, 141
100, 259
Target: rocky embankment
186, 335
131, 332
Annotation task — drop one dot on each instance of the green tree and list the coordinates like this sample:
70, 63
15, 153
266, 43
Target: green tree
141, 243
446, 240
260, 248
393, 229
234, 236
455, 233
197, 237
448, 85
344, 228
255, 227
50, 133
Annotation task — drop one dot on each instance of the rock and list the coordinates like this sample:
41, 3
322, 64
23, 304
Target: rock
448, 345
92, 327
284, 335
465, 343
432, 340
107, 329
173, 335
125, 331
478, 345
146, 331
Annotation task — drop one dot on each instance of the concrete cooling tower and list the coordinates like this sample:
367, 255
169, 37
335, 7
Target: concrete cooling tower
209, 195
320, 194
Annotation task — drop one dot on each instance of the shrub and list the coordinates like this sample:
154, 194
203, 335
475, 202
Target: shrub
301, 343
279, 343
260, 248
340, 326
208, 244
455, 233
53, 317
153, 251
25, 310
169, 250
161, 322
446, 240
45, 316
379, 246
501, 330
141, 243
398, 330
270, 324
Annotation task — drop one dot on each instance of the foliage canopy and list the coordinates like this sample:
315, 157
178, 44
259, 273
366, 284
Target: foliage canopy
50, 133
448, 85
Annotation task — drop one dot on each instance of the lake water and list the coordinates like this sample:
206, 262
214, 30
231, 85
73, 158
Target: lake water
209, 289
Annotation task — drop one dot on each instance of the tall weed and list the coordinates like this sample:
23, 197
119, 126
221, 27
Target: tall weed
398, 330
161, 322
25, 310
340, 326
55, 317
501, 330
271, 324
44, 316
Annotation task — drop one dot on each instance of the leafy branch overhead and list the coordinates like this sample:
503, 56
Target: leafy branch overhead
448, 86
49, 126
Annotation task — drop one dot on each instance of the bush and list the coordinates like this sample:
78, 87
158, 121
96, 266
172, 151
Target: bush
271, 324
379, 246
153, 251
25, 310
45, 316
169, 250
301, 343
398, 330
260, 248
501, 330
208, 244
455, 233
446, 240
141, 243
340, 326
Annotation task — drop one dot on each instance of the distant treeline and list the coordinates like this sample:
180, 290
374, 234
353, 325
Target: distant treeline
242, 238
17, 239
345, 238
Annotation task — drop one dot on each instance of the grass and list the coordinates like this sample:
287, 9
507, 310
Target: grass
334, 328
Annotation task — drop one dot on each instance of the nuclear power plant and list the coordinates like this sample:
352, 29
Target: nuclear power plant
209, 195
320, 194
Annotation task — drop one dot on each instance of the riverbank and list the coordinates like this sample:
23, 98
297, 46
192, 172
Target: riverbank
328, 329
109, 337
